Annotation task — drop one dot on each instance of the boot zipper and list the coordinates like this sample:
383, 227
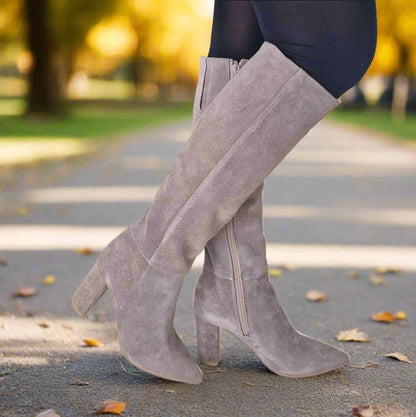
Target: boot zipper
234, 67
238, 280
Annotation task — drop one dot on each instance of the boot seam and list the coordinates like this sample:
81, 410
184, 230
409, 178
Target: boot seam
220, 163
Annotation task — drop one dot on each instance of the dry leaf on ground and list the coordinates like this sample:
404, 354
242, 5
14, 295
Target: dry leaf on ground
377, 279
91, 342
250, 384
389, 317
25, 292
170, 390
352, 335
78, 382
387, 270
315, 295
44, 325
363, 410
400, 315
353, 274
48, 413
109, 407
48, 280
275, 272
384, 316
84, 251
400, 357
3, 260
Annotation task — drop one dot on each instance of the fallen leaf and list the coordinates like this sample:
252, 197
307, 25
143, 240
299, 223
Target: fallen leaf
377, 279
353, 274
367, 364
400, 357
67, 326
25, 292
78, 382
22, 210
48, 413
384, 316
315, 295
352, 335
170, 390
400, 315
44, 325
84, 251
387, 270
110, 406
286, 267
363, 410
250, 384
3, 260
275, 272
48, 280
91, 342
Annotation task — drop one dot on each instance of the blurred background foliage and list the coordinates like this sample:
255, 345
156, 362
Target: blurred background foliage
56, 52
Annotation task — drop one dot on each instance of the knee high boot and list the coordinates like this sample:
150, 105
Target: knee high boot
235, 255
246, 130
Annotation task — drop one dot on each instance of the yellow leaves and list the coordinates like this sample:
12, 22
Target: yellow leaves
401, 315
49, 280
113, 37
389, 317
91, 343
109, 407
363, 410
377, 279
385, 316
275, 272
352, 335
388, 270
315, 295
399, 356
84, 251
24, 291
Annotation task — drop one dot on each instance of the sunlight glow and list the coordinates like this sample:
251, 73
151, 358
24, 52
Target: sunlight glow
30, 150
66, 237
89, 194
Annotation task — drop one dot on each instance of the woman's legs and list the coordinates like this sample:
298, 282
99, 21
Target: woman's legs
235, 31
333, 41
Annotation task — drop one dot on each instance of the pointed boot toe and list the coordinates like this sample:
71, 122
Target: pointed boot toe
144, 301
303, 356
265, 328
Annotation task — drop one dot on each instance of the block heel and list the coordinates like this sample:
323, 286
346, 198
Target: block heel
208, 340
89, 292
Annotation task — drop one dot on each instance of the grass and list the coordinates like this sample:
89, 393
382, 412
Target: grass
97, 120
378, 120
89, 124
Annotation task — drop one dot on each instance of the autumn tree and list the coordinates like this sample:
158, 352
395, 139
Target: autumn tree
396, 49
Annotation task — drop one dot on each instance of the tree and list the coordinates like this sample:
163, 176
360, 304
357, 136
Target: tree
396, 50
44, 95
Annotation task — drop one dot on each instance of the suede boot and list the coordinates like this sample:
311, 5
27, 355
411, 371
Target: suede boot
237, 253
246, 130
247, 224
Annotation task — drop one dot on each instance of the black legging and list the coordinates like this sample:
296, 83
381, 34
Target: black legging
332, 40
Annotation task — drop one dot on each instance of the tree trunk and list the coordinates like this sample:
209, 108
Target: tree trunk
400, 95
44, 93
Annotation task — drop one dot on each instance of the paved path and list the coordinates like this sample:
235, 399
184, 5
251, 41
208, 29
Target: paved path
342, 200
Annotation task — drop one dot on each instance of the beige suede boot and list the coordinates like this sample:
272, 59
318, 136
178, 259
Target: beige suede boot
246, 130
238, 253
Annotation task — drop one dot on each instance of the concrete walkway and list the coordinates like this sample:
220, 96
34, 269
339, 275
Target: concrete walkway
342, 200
